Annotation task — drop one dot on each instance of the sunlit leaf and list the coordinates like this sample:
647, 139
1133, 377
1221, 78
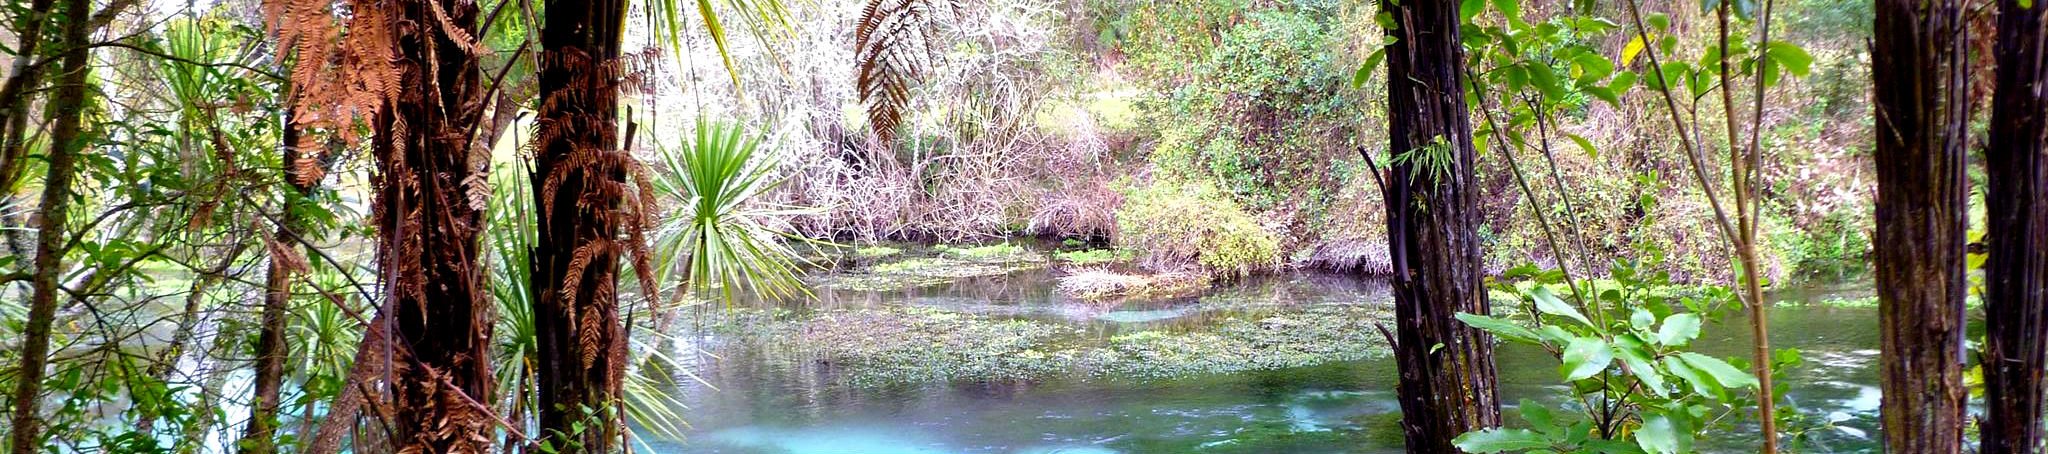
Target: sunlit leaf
1499, 327
1727, 375
1678, 329
1585, 357
1629, 51
1657, 436
1548, 303
1591, 151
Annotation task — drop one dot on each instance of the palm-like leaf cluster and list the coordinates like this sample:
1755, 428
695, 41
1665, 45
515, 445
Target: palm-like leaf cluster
722, 236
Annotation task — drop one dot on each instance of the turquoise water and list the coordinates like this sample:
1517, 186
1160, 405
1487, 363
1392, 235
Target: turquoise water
746, 404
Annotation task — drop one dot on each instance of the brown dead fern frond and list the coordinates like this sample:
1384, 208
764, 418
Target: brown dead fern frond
892, 51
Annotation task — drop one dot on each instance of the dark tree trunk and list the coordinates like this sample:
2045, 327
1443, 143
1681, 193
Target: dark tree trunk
260, 436
67, 141
1431, 216
1918, 67
578, 184
2016, 202
428, 230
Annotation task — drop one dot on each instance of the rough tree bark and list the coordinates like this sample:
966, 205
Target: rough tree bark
1431, 215
2016, 202
67, 136
428, 229
578, 183
1921, 77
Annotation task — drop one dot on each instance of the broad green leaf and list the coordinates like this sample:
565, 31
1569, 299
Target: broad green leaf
1604, 94
1372, 62
1500, 327
1622, 82
1593, 66
1591, 151
1657, 435
1641, 318
1678, 329
1548, 303
1499, 439
1469, 9
1511, 9
1538, 415
1792, 56
1636, 356
1660, 21
1727, 375
1545, 80
1701, 384
1585, 357
1628, 52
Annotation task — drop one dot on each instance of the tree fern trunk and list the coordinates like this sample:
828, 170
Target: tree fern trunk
1447, 375
1918, 67
2016, 202
429, 245
578, 184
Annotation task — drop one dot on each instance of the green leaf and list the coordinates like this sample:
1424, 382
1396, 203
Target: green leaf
1372, 62
1792, 56
1660, 21
1594, 67
1657, 435
1538, 415
1728, 376
1546, 80
1585, 357
1641, 318
1469, 9
1628, 52
1511, 9
1500, 327
1700, 383
1636, 356
1604, 94
1678, 329
1499, 439
1622, 82
1548, 303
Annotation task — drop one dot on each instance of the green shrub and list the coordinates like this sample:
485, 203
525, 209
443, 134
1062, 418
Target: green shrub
1175, 224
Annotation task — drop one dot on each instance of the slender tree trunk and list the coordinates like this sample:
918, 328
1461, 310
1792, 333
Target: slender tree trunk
271, 350
578, 183
1918, 67
2016, 202
429, 235
67, 141
1447, 374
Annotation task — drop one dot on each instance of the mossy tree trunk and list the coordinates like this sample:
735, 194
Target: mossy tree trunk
1447, 373
68, 139
259, 436
2016, 202
579, 183
1921, 77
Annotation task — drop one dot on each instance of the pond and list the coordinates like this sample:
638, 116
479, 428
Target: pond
746, 399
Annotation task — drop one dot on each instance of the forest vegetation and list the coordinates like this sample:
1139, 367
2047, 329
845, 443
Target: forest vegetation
1427, 226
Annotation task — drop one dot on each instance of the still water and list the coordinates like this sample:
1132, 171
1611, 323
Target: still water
746, 404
